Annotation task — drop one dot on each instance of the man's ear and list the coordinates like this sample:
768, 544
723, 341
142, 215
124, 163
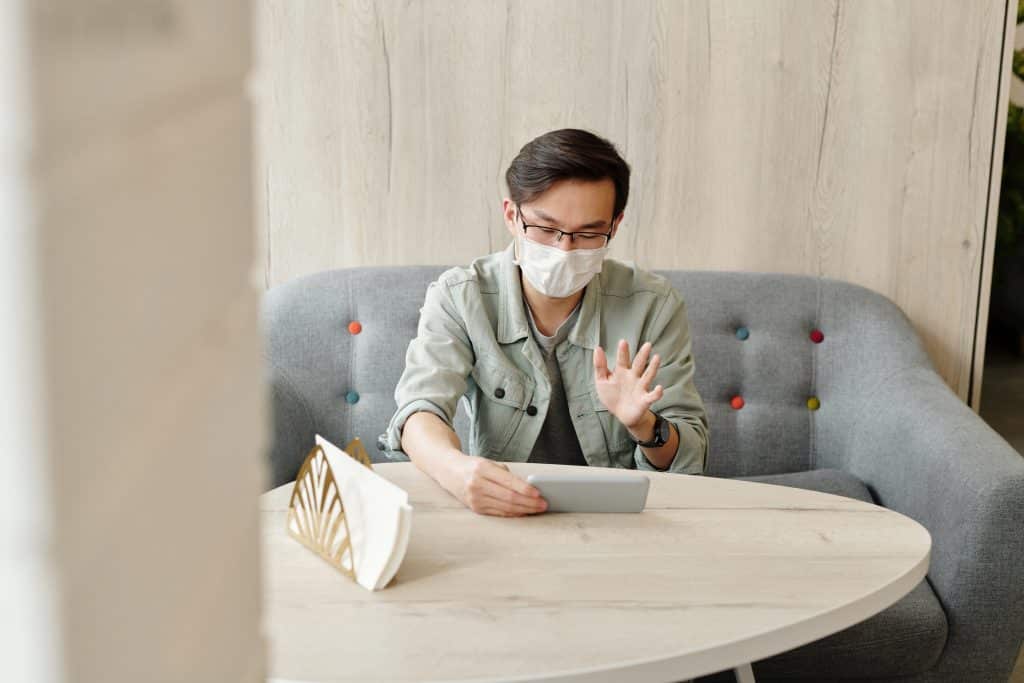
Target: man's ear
508, 209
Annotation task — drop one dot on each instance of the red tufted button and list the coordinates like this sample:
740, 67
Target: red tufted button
737, 402
817, 336
355, 327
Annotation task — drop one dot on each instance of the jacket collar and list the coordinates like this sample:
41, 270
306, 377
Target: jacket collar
512, 321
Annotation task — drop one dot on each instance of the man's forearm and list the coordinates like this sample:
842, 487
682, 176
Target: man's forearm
431, 445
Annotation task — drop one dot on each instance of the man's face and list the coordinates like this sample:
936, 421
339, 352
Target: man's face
571, 206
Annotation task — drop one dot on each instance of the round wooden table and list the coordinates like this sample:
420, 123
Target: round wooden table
714, 574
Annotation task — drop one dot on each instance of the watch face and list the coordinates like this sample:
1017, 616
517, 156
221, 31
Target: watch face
663, 430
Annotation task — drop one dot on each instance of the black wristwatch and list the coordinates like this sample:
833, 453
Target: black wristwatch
662, 432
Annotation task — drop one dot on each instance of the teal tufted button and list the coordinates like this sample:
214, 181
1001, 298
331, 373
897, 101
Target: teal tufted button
352, 397
742, 333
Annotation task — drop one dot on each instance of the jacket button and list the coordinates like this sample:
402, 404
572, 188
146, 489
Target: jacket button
531, 411
499, 392
813, 403
742, 333
352, 397
817, 336
355, 327
737, 402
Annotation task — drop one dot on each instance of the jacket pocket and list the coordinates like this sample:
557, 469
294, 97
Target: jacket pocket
616, 437
505, 394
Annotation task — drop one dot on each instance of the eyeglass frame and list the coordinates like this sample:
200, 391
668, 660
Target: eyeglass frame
607, 235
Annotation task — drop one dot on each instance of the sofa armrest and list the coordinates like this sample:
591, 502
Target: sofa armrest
925, 454
294, 427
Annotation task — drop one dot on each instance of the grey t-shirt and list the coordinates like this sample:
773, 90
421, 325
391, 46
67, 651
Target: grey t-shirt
557, 442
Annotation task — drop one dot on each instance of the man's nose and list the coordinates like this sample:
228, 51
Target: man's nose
565, 244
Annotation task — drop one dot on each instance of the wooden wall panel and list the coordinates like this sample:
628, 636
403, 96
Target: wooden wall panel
845, 139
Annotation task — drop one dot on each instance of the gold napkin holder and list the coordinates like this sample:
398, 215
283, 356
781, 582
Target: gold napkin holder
316, 513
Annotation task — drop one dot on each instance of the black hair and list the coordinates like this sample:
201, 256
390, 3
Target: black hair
569, 153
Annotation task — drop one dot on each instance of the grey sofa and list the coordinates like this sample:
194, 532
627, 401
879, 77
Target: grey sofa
888, 430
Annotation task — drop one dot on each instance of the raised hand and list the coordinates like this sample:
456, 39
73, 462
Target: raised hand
625, 391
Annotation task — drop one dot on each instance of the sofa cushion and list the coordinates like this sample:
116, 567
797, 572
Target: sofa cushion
902, 640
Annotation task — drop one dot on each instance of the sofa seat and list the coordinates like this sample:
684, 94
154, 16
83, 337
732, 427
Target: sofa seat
903, 640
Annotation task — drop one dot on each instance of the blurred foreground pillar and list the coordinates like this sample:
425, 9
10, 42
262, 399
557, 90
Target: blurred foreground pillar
131, 410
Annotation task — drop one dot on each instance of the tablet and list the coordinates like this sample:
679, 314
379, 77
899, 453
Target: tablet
589, 492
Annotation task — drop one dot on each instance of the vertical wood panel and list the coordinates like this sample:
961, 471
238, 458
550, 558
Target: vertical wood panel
843, 139
1010, 41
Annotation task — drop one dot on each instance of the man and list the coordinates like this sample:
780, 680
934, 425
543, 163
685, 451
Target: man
520, 335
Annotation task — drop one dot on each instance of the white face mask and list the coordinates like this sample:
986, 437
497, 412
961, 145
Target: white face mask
555, 272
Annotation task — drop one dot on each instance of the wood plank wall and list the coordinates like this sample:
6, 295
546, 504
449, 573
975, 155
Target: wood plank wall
851, 140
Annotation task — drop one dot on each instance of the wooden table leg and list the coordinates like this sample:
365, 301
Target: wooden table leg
744, 674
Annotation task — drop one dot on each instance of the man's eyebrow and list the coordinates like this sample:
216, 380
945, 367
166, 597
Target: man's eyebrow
592, 224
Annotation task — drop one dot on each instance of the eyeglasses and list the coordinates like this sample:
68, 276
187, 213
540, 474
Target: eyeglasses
549, 236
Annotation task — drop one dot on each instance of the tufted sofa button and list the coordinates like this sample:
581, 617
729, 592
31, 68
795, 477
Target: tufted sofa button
737, 402
352, 397
817, 336
531, 411
499, 393
742, 333
813, 403
381, 446
355, 327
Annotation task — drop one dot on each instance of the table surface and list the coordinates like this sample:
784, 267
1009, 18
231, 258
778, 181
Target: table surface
713, 574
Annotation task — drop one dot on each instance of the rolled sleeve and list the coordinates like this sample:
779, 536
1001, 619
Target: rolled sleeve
437, 364
391, 440
680, 404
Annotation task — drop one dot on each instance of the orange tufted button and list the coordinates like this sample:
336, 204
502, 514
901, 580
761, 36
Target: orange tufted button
737, 402
355, 327
813, 403
817, 336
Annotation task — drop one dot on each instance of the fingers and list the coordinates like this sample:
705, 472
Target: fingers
639, 363
488, 487
491, 498
498, 503
500, 475
622, 359
651, 371
600, 364
654, 395
641, 358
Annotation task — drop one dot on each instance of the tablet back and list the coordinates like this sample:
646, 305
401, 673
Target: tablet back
584, 492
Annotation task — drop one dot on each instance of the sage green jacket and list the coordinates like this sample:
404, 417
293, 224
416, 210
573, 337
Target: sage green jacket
474, 343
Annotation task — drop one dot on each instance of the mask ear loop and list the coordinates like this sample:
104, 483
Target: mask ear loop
516, 258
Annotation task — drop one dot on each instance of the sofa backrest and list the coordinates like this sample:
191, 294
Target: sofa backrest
327, 379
